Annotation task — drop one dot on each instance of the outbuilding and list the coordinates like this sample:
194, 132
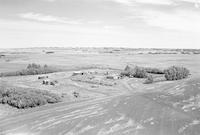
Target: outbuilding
78, 73
114, 77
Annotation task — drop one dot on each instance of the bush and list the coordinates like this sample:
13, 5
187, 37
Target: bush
76, 94
139, 72
33, 66
24, 98
125, 73
32, 69
128, 68
149, 79
128, 71
176, 73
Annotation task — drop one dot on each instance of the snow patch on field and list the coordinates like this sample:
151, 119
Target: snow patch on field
86, 128
120, 127
20, 134
109, 121
178, 89
149, 120
192, 103
122, 117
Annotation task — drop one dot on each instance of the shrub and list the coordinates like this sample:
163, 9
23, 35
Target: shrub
24, 98
128, 71
52, 83
127, 68
33, 66
76, 94
149, 79
139, 72
125, 73
176, 73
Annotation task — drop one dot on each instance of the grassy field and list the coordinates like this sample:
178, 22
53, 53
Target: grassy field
72, 59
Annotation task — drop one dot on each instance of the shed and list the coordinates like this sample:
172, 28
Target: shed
78, 73
114, 77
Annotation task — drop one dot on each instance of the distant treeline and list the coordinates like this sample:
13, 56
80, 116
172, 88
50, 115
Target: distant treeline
31, 69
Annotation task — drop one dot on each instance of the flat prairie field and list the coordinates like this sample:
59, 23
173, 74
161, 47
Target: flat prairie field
81, 91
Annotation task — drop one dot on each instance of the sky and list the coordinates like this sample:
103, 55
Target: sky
100, 23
